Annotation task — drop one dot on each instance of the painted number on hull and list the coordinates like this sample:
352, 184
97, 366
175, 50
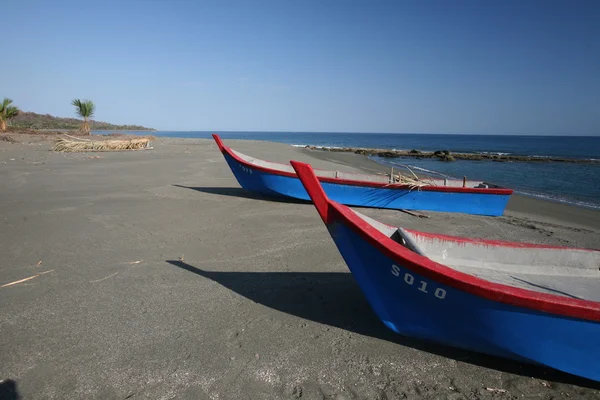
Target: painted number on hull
246, 169
421, 285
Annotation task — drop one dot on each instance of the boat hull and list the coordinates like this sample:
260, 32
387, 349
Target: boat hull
273, 184
415, 306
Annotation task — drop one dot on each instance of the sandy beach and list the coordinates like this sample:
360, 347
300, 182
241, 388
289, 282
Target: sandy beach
155, 276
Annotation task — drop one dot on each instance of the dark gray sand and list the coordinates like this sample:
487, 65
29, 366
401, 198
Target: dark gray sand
168, 281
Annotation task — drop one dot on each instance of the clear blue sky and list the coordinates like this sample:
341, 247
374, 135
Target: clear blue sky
449, 66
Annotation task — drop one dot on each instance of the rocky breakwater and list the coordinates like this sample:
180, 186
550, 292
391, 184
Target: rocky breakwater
445, 155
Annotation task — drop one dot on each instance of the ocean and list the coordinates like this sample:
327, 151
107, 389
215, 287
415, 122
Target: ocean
576, 184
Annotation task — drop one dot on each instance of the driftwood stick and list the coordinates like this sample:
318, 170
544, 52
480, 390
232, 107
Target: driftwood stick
415, 214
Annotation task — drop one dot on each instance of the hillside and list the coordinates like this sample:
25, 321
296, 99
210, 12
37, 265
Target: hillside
33, 120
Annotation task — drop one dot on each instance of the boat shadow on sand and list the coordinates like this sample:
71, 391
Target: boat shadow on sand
243, 193
334, 299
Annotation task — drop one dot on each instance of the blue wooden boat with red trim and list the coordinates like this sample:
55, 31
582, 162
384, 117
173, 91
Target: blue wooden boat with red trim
532, 303
364, 190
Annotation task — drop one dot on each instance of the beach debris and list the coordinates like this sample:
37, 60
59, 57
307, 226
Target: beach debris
80, 144
496, 390
25, 279
6, 138
39, 263
415, 214
180, 258
546, 384
296, 391
118, 272
105, 278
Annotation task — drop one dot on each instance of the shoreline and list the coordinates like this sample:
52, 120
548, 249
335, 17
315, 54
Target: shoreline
575, 200
549, 209
519, 204
393, 153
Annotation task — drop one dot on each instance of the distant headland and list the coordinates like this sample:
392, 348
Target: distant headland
31, 120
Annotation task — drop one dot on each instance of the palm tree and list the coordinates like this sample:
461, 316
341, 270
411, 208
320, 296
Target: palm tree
7, 112
85, 109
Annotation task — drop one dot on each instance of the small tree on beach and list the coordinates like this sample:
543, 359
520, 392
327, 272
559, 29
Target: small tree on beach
85, 109
7, 112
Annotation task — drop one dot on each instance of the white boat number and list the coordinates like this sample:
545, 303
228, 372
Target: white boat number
246, 169
422, 286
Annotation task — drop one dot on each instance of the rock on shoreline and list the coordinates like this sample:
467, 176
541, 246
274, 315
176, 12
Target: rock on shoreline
445, 155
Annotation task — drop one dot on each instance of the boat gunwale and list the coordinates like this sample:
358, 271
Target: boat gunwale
491, 242
331, 211
349, 182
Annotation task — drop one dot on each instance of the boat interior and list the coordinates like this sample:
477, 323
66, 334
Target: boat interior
383, 178
573, 273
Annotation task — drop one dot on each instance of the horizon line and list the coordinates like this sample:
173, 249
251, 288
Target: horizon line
384, 133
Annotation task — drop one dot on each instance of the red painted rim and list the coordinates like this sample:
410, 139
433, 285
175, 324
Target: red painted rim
226, 150
331, 211
496, 243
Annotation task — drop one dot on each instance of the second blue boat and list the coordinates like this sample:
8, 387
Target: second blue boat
364, 190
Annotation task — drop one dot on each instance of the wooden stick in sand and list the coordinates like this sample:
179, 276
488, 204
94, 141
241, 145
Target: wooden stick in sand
415, 214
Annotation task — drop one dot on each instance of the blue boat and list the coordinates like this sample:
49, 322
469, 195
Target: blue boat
532, 303
364, 190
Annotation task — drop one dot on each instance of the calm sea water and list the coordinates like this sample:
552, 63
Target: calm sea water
577, 184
